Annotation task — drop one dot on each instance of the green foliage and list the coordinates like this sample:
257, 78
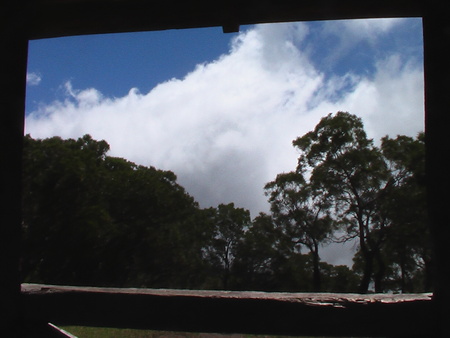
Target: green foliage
228, 227
375, 194
407, 252
63, 212
302, 214
260, 256
93, 219
338, 278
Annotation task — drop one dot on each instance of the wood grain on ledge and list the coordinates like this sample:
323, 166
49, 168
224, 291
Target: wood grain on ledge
303, 297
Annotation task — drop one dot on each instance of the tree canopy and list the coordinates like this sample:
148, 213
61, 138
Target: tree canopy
93, 219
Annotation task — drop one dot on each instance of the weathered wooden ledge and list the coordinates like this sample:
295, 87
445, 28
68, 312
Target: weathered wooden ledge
232, 312
313, 299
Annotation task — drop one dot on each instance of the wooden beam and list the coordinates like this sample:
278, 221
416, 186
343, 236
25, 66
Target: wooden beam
269, 313
232, 312
436, 29
13, 68
53, 18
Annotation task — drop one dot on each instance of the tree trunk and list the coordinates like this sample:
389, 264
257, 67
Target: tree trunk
368, 270
403, 274
316, 269
379, 275
225, 280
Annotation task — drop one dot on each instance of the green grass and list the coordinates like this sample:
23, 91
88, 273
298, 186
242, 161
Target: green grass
103, 332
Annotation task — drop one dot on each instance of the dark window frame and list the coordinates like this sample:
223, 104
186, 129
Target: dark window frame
24, 20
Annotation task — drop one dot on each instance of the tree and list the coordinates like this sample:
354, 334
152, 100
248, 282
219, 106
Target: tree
229, 225
407, 247
91, 219
352, 174
339, 278
65, 217
301, 211
157, 240
260, 255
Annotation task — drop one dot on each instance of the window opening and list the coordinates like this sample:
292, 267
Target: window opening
148, 207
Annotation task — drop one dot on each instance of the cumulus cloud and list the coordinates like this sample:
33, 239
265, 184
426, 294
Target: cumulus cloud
33, 79
227, 127
353, 43
353, 31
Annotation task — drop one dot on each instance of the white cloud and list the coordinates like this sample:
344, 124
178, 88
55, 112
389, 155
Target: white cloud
227, 127
357, 30
33, 79
343, 37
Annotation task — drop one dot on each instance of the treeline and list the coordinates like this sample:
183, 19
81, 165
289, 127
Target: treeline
93, 219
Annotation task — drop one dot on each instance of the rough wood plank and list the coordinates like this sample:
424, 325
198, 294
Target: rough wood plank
232, 312
319, 299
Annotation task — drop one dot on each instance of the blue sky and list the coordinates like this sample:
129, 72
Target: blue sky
221, 110
114, 63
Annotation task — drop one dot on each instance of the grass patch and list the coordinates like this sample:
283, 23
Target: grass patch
105, 332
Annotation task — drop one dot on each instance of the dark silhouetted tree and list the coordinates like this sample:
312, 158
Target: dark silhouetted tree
97, 220
303, 215
229, 225
407, 248
352, 174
